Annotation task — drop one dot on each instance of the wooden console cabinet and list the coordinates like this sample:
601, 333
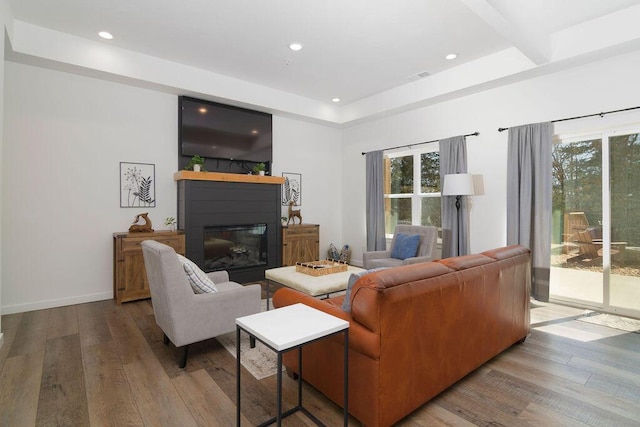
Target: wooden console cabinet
300, 243
129, 275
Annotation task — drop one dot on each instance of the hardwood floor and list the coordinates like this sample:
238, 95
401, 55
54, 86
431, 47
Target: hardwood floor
101, 364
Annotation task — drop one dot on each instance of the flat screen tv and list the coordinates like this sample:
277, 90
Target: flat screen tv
219, 131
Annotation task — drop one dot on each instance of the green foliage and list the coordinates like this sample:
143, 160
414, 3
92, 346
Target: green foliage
625, 195
195, 160
577, 178
400, 180
259, 167
430, 172
401, 175
577, 184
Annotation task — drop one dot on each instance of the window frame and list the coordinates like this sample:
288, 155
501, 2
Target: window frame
417, 195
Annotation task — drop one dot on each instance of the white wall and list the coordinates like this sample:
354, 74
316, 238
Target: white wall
65, 137
313, 151
601, 86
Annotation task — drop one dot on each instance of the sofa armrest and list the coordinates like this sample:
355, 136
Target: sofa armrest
417, 259
218, 276
361, 339
366, 256
208, 315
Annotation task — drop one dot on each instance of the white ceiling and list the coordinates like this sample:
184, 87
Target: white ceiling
358, 50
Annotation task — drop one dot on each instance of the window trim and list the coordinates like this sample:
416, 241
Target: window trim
416, 197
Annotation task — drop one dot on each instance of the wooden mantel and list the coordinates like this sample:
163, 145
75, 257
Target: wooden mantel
227, 177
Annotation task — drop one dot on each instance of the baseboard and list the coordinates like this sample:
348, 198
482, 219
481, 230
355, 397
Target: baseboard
61, 302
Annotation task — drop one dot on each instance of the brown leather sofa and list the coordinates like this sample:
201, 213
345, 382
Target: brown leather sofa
417, 329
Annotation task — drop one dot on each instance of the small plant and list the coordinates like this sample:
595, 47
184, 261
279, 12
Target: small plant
195, 160
260, 167
284, 219
170, 222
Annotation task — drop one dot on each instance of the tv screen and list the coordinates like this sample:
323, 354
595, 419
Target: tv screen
213, 130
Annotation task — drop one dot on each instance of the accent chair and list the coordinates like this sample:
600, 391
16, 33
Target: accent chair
425, 250
184, 316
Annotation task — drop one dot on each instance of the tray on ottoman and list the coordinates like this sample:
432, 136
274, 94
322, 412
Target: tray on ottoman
321, 268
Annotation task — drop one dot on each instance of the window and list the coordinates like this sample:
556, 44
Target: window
412, 188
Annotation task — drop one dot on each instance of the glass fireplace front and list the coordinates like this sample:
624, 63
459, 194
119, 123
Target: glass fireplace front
231, 247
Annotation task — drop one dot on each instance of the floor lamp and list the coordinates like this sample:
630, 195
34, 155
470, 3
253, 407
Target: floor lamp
458, 184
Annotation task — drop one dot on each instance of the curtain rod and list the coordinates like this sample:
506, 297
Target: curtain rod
476, 133
585, 116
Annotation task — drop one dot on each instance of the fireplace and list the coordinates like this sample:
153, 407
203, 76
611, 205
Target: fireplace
232, 247
213, 206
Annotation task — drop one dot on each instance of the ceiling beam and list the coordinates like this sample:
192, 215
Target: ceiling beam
535, 46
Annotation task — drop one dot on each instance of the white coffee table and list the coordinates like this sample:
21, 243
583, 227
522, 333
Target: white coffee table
310, 285
288, 328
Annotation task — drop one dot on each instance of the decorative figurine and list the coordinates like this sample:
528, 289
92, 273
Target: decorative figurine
294, 213
141, 228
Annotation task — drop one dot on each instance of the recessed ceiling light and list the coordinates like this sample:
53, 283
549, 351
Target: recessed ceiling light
451, 56
295, 46
336, 100
105, 35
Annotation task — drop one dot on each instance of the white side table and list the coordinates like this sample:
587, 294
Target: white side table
290, 328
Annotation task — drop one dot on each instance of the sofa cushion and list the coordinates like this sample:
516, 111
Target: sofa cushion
198, 279
346, 303
405, 246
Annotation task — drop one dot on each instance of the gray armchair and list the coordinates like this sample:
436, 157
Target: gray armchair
186, 317
426, 248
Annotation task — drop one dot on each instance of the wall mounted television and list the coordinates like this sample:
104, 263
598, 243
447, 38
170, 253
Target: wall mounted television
219, 131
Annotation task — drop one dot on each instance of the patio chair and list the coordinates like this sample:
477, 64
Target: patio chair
590, 243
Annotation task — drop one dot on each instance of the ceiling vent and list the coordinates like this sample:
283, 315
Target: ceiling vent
423, 74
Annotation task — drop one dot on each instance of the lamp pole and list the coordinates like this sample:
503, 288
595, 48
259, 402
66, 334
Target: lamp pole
458, 184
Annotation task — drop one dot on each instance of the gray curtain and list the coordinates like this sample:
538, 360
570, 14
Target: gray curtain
529, 199
455, 223
375, 202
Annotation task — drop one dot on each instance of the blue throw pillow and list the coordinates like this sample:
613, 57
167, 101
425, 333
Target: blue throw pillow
406, 246
346, 304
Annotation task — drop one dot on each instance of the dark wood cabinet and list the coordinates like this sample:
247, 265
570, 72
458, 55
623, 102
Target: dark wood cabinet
300, 243
129, 275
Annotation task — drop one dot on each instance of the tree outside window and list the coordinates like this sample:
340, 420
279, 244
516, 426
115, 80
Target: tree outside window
412, 188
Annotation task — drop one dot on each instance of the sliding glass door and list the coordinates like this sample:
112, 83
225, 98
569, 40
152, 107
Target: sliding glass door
595, 256
624, 247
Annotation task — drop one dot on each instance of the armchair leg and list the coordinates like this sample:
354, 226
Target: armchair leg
165, 339
183, 356
252, 341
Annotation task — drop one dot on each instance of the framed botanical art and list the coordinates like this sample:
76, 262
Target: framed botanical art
292, 189
137, 185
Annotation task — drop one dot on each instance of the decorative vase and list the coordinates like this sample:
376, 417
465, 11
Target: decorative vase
196, 168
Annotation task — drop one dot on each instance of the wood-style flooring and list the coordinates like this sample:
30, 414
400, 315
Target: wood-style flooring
101, 364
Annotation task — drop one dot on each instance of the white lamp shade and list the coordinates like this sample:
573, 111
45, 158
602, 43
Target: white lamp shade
458, 184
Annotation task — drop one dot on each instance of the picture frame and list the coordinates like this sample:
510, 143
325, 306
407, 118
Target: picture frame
292, 189
137, 185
